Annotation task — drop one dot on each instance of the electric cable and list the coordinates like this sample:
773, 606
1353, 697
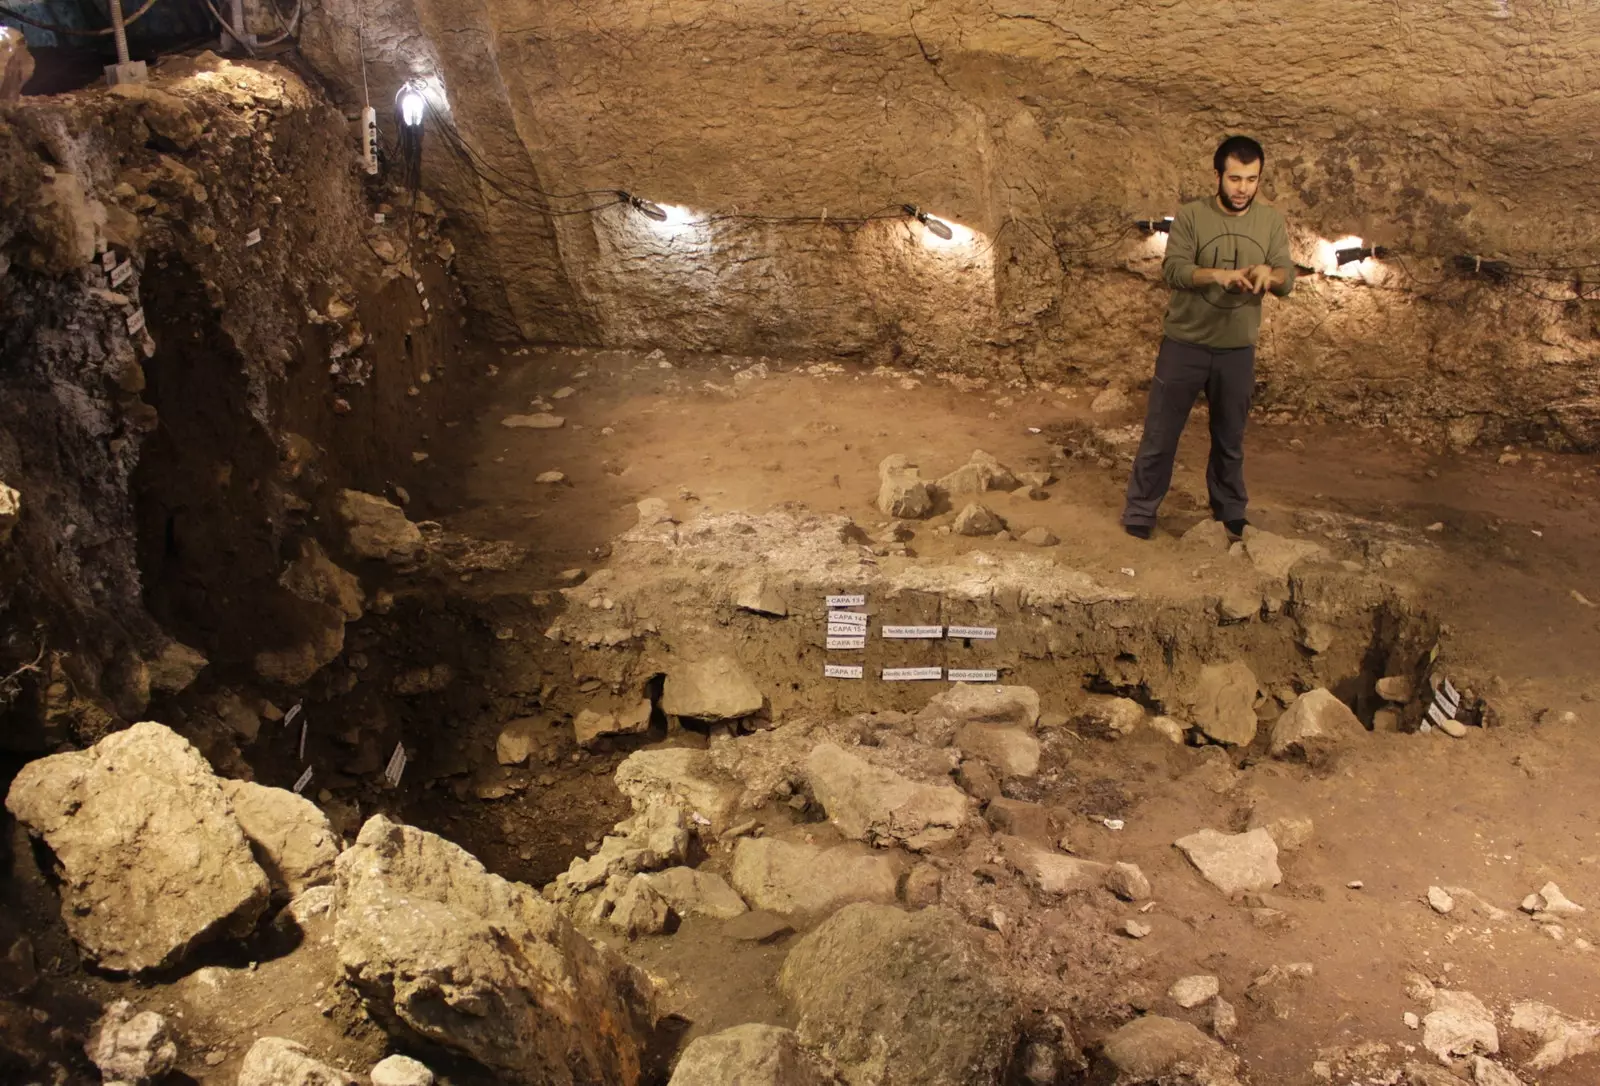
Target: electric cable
54, 29
228, 29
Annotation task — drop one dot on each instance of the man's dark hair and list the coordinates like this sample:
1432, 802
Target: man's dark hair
1243, 148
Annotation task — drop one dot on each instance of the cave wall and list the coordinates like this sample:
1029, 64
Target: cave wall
1045, 127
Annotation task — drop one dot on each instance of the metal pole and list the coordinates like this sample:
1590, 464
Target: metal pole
119, 31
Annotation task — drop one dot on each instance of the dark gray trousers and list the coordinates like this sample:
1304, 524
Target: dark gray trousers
1183, 370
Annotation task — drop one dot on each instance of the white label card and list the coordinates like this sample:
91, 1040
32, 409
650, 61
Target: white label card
1450, 692
854, 641
377, 217
847, 618
973, 675
252, 238
844, 629
909, 674
909, 632
304, 724
847, 601
136, 322
397, 764
419, 286
305, 779
973, 633
842, 671
122, 273
1437, 715
108, 259
294, 711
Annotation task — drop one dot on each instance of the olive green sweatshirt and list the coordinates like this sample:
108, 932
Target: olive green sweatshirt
1203, 237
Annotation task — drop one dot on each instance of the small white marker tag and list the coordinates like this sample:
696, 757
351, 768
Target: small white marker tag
1437, 715
397, 764
910, 674
426, 304
1450, 692
973, 675
377, 217
847, 618
122, 273
912, 632
304, 724
108, 259
973, 633
844, 629
419, 286
850, 641
136, 322
305, 779
252, 238
847, 601
294, 711
842, 671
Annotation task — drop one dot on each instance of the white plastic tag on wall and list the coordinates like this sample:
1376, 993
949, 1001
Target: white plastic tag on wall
396, 766
294, 711
913, 632
847, 618
108, 259
847, 601
377, 217
845, 629
909, 674
252, 238
973, 675
304, 779
842, 671
972, 633
848, 641
303, 725
122, 273
136, 322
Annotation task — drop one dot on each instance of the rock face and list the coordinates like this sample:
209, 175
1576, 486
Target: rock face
977, 519
1154, 1049
1011, 751
749, 1055
1314, 725
1050, 872
872, 804
273, 1061
401, 1071
439, 947
901, 492
804, 880
697, 893
131, 1048
590, 725
714, 689
980, 473
1011, 706
1234, 863
152, 858
902, 999
1224, 703
315, 578
1560, 1038
1458, 1025
679, 775
376, 528
291, 837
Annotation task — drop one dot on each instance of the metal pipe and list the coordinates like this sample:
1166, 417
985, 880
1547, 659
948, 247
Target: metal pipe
118, 30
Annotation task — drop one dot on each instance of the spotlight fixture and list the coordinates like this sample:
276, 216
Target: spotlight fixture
642, 206
937, 226
1155, 226
1350, 256
411, 105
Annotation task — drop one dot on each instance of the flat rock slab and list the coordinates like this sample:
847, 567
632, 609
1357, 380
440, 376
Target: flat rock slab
275, 1061
749, 1055
293, 840
1313, 725
680, 775
1275, 555
758, 926
1458, 1025
533, 422
713, 689
1156, 1049
1234, 862
153, 860
377, 528
1560, 1038
697, 893
798, 879
1012, 752
1224, 701
1051, 872
872, 804
1013, 706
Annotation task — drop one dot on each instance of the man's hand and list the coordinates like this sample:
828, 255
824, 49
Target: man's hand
1233, 280
1258, 278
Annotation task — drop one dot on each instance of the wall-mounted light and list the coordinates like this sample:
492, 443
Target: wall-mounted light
1154, 226
412, 104
938, 227
1354, 253
643, 206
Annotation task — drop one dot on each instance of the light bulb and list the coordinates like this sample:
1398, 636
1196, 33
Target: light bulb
939, 229
411, 106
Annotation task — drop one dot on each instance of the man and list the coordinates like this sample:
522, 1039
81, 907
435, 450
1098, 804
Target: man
1223, 254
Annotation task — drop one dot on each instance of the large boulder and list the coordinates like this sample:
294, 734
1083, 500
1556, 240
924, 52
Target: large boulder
131, 1047
901, 493
316, 578
1234, 862
681, 775
1275, 555
804, 880
749, 1055
152, 860
1313, 726
697, 893
1224, 703
1050, 872
1161, 1050
440, 948
656, 837
293, 840
274, 1061
377, 528
969, 703
877, 805
714, 689
1012, 752
902, 999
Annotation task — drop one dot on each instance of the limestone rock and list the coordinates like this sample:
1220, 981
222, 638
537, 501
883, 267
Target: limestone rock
1274, 555
315, 577
1550, 899
1458, 1025
273, 1061
869, 803
969, 703
1154, 1049
656, 837
294, 666
1110, 399
653, 511
1224, 703
980, 473
1234, 863
590, 725
65, 220
516, 741
152, 859
1224, 1019
16, 66
924, 886
901, 493
697, 893
131, 1047
401, 1071
803, 880
749, 1055
1114, 716
1039, 536
752, 593
1314, 725
1011, 751
10, 500
1488, 1073
289, 835
175, 668
1019, 819
1289, 832
1422, 1074
640, 910
437, 946
1560, 1038
1128, 882
377, 528
1396, 689
1207, 535
977, 519
542, 421
1169, 728
1051, 872
1190, 992
712, 689
681, 775
902, 999
1440, 900
1239, 603
1316, 637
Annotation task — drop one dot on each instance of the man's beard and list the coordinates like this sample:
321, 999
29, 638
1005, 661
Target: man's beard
1222, 198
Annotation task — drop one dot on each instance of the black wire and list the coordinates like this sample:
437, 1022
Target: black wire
1124, 232
482, 165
